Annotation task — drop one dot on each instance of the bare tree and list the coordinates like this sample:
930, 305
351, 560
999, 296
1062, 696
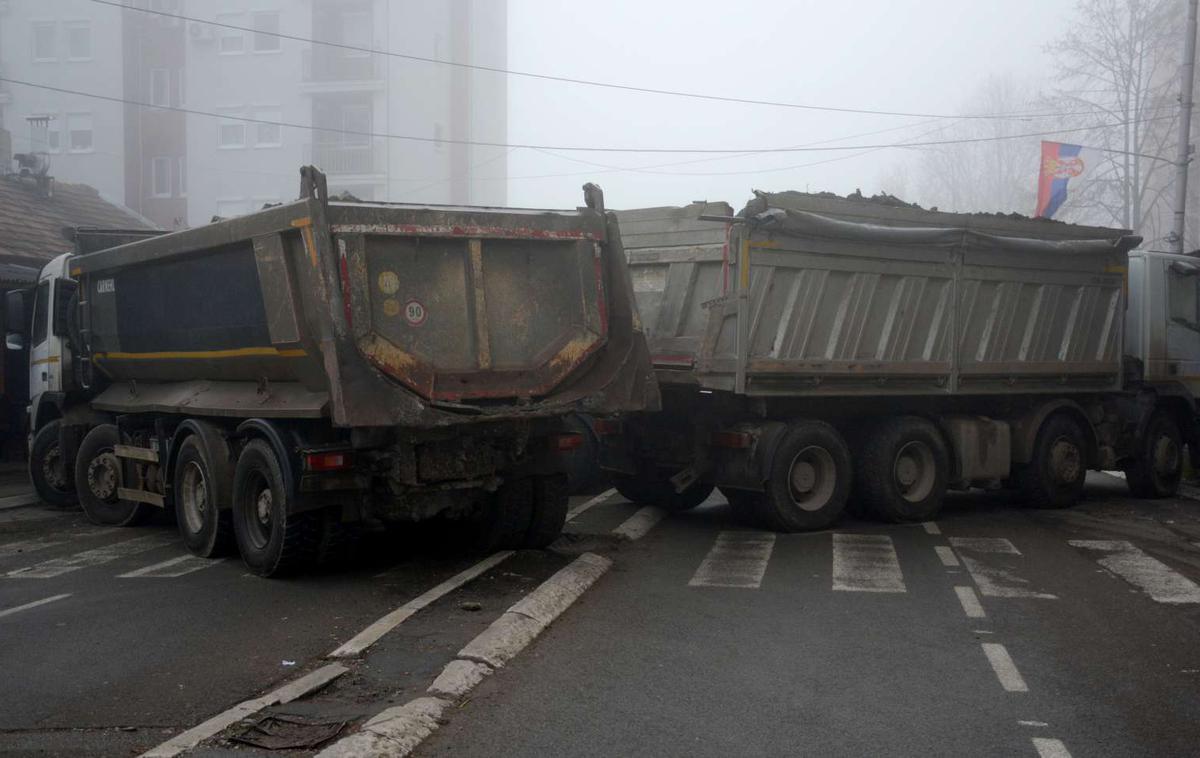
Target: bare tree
1117, 66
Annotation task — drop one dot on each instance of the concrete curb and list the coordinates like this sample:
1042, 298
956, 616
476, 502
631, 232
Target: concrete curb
396, 732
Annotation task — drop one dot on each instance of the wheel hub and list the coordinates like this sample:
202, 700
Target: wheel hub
1065, 460
915, 471
804, 476
906, 471
1166, 455
811, 478
194, 496
103, 476
262, 507
53, 470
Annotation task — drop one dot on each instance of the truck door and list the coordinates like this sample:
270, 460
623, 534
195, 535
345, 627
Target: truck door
44, 358
1183, 320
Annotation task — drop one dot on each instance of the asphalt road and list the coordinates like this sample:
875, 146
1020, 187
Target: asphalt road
995, 631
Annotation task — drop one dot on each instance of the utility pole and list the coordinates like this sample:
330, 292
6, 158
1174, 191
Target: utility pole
1187, 77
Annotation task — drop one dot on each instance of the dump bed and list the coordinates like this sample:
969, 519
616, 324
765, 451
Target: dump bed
373, 313
822, 296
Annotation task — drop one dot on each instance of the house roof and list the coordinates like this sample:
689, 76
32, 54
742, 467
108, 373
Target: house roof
33, 228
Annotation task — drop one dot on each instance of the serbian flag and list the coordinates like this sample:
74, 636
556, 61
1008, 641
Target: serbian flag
1060, 164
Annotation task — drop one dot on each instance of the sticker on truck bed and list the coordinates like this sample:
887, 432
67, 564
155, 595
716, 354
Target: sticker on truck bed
389, 282
105, 286
415, 313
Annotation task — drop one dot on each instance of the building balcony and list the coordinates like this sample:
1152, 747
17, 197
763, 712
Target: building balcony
336, 158
334, 70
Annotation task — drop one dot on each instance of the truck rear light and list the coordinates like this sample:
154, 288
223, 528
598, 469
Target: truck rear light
604, 426
564, 442
733, 439
327, 461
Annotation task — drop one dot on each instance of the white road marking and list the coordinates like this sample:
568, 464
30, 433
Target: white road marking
287, 693
981, 631
18, 501
1033, 723
372, 634
994, 580
737, 559
29, 546
1156, 579
1050, 748
866, 563
1006, 670
996, 545
34, 604
640, 523
597, 500
970, 602
173, 567
95, 557
946, 554
931, 527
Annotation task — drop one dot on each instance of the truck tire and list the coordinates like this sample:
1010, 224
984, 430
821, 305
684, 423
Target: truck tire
902, 471
743, 504
502, 522
808, 481
550, 500
53, 479
97, 478
1158, 467
271, 540
201, 488
1054, 477
651, 486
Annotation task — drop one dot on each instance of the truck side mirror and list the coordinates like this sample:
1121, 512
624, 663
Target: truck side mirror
15, 311
14, 341
64, 291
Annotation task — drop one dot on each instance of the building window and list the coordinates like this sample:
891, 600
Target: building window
79, 40
179, 80
160, 86
356, 32
230, 41
160, 177
53, 138
356, 125
181, 175
44, 41
266, 31
79, 132
231, 133
268, 135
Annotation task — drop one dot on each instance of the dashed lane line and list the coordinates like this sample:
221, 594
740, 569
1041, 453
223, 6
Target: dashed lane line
932, 527
947, 556
1006, 670
585, 506
737, 559
1155, 578
172, 568
1047, 747
373, 633
34, 604
970, 602
640, 523
95, 557
866, 563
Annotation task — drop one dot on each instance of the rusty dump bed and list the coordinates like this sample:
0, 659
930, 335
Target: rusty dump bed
810, 295
373, 314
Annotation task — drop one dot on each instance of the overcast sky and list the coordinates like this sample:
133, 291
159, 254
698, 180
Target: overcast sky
904, 55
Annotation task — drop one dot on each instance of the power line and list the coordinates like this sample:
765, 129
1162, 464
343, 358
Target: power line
571, 148
589, 82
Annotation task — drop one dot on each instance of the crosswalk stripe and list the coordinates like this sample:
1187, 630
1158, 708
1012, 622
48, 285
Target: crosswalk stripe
1155, 578
53, 540
1048, 747
947, 556
866, 563
34, 604
1006, 671
172, 567
737, 559
95, 557
640, 523
970, 603
993, 580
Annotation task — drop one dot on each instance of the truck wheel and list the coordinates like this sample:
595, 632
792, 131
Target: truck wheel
743, 504
1158, 467
51, 476
272, 541
98, 477
204, 519
651, 486
550, 500
903, 470
502, 522
808, 481
1054, 478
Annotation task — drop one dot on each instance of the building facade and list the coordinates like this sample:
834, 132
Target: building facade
262, 99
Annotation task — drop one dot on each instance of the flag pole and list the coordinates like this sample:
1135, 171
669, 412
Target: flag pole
1187, 78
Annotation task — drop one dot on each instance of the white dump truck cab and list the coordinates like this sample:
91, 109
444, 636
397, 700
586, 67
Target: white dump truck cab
1163, 318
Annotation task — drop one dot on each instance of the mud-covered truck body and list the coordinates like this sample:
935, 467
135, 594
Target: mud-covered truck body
810, 347
277, 376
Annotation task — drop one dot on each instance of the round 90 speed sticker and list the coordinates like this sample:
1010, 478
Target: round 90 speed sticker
415, 313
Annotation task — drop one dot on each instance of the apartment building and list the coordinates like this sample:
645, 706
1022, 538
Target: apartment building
260, 104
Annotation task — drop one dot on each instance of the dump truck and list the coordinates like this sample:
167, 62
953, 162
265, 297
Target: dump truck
273, 379
816, 351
